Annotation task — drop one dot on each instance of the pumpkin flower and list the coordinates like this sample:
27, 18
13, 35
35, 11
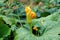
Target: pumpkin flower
35, 28
27, 9
33, 15
29, 14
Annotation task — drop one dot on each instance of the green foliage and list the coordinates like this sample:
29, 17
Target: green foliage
13, 24
50, 25
4, 29
1, 1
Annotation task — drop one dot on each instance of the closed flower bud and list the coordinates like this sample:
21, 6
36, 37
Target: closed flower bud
33, 15
27, 9
35, 28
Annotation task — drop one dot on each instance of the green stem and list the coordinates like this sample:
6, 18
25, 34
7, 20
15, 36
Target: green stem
30, 28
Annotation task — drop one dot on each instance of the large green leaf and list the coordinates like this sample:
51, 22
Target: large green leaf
4, 29
51, 25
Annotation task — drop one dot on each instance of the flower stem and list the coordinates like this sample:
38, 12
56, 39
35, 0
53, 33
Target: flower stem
30, 27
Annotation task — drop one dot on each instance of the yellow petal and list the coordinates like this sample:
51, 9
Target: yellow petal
33, 15
27, 9
35, 28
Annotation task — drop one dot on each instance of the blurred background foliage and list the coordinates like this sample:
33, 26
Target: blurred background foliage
41, 7
12, 13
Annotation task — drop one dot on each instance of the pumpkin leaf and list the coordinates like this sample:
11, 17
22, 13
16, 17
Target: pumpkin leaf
49, 28
4, 29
